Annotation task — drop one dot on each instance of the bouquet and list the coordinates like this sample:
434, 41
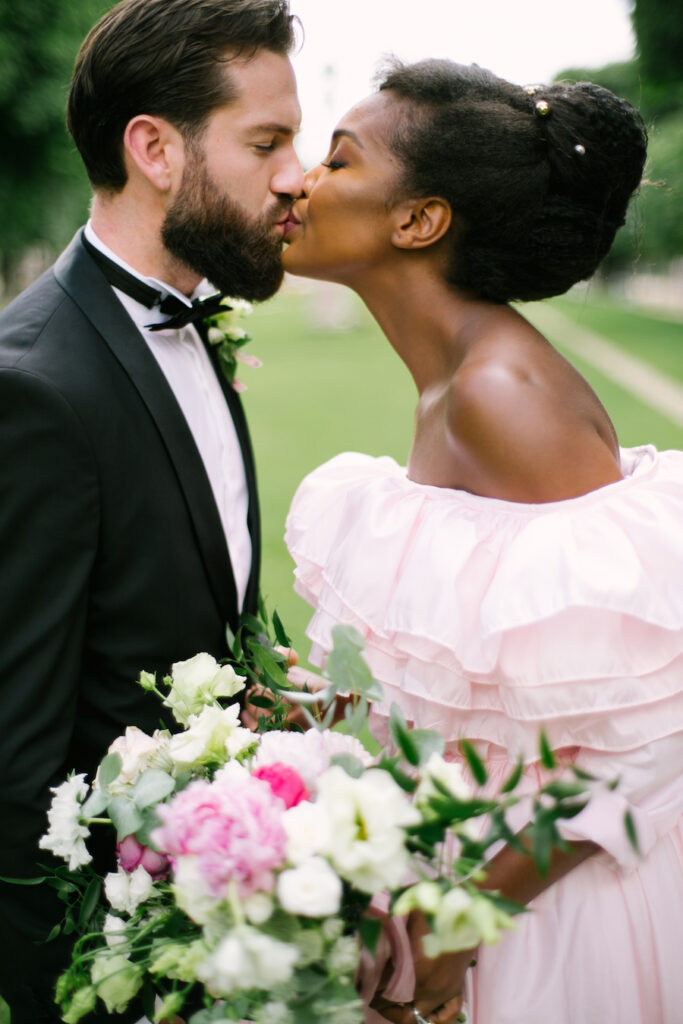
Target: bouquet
248, 860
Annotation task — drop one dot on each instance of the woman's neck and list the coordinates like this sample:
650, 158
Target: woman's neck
429, 324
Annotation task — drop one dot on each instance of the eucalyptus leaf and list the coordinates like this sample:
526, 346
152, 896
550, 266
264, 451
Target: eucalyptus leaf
109, 769
152, 786
96, 804
351, 765
346, 666
427, 742
125, 816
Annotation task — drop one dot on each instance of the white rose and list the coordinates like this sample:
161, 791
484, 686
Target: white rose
198, 682
137, 750
246, 958
367, 815
126, 891
307, 826
463, 921
312, 889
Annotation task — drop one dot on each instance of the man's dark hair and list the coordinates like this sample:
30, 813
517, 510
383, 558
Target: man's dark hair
539, 178
165, 58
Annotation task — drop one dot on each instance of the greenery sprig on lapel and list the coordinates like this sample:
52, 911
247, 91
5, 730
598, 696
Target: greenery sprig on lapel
225, 333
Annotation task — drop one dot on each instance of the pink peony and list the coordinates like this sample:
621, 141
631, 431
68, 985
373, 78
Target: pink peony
284, 782
131, 854
232, 827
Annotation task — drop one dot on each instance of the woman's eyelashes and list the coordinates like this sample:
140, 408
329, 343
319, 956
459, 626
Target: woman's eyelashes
333, 165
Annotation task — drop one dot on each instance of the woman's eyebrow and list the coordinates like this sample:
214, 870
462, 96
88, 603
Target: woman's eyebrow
348, 134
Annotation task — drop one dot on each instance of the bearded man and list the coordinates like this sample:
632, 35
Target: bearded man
129, 526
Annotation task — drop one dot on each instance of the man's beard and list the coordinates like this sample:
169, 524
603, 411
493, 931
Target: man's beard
211, 234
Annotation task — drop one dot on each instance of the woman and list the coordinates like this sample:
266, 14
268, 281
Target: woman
524, 571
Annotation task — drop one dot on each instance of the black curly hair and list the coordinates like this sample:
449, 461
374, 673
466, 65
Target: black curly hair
539, 178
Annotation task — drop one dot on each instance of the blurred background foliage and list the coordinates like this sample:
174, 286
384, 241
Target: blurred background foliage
39, 40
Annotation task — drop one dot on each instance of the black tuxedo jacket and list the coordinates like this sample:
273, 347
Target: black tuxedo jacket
112, 560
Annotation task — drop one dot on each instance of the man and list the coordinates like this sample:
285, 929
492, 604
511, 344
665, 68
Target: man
129, 528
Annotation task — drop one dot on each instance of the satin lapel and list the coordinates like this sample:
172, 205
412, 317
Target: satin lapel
83, 281
254, 518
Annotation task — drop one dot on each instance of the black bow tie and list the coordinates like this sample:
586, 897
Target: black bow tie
179, 314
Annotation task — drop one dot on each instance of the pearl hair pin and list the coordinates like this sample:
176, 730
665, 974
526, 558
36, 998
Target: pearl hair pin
542, 108
579, 149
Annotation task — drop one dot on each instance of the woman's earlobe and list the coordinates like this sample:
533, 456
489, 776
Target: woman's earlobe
421, 222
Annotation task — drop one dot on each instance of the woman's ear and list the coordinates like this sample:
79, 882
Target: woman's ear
421, 222
154, 147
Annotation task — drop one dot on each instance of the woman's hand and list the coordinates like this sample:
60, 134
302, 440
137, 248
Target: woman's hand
439, 982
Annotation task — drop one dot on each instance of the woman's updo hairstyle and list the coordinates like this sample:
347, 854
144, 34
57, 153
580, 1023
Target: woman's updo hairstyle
539, 178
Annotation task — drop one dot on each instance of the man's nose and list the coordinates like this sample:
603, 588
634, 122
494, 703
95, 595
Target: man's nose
289, 179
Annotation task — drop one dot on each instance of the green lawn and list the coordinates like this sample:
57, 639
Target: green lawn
322, 392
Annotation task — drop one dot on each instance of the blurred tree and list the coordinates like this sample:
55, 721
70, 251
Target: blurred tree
43, 188
652, 82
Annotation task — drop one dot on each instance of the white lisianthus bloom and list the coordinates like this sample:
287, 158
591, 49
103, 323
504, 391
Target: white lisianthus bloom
258, 907
462, 922
273, 1013
190, 891
367, 816
313, 889
114, 929
343, 958
66, 834
448, 774
198, 682
127, 890
308, 828
246, 958
116, 979
424, 896
212, 736
137, 751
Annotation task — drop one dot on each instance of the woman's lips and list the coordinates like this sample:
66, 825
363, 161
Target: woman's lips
288, 224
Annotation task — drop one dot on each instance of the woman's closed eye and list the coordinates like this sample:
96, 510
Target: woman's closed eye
333, 165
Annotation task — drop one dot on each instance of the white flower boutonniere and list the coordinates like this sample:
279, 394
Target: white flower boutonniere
225, 333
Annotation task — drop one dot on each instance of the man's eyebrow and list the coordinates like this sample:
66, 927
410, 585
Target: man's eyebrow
348, 134
279, 129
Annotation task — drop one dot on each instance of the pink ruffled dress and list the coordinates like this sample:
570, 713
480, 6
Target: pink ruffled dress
490, 620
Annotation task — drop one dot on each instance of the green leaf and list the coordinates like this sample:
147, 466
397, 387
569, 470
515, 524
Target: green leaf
400, 734
54, 933
152, 786
109, 769
561, 790
631, 832
581, 774
280, 633
477, 766
230, 638
547, 757
542, 834
346, 666
90, 900
351, 765
356, 716
96, 804
253, 624
125, 816
391, 765
259, 700
427, 742
513, 779
369, 929
24, 881
510, 907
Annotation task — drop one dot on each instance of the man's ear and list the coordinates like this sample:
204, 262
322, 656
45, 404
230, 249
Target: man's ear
421, 222
155, 148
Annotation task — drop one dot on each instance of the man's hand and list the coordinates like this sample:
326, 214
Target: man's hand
298, 677
438, 982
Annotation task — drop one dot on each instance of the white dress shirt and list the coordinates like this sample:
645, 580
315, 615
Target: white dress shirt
185, 363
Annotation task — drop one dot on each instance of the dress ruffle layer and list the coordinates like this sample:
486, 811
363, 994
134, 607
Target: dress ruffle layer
492, 618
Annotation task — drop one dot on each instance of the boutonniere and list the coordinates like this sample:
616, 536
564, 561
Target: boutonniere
225, 333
